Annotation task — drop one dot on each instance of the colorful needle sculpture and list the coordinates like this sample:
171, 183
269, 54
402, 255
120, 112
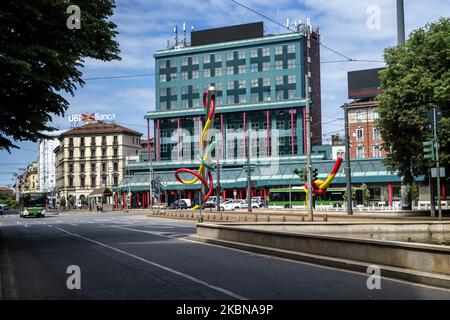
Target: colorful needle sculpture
319, 187
207, 143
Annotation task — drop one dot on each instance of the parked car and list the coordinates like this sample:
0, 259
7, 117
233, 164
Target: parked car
212, 202
229, 205
3, 208
259, 201
244, 205
179, 204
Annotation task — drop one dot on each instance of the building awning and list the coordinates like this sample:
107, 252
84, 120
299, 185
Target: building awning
101, 192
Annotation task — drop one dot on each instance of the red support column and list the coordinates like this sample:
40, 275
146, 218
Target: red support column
149, 200
390, 193
158, 141
124, 200
245, 134
241, 194
224, 195
292, 132
148, 139
137, 199
268, 132
444, 196
234, 193
117, 200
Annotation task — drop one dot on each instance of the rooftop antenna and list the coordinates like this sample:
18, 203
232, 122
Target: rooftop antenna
175, 30
184, 34
287, 23
168, 44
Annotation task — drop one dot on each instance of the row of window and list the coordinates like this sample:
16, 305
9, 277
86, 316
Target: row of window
230, 55
103, 182
362, 116
255, 83
376, 152
230, 70
93, 166
94, 153
360, 134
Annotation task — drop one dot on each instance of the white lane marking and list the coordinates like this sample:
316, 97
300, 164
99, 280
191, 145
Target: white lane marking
155, 233
178, 273
26, 226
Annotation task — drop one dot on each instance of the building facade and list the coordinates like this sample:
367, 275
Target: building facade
91, 157
28, 181
47, 163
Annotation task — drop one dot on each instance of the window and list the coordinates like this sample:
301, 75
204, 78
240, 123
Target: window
376, 133
116, 152
218, 57
103, 153
162, 92
82, 182
93, 167
241, 54
173, 76
195, 74
266, 66
278, 50
230, 55
82, 167
230, 70
254, 67
241, 84
254, 97
81, 153
71, 168
184, 61
242, 98
71, 182
230, 99
184, 75
279, 95
266, 82
207, 73
376, 115
291, 93
360, 152
279, 80
194, 60
291, 48
93, 182
280, 125
291, 78
359, 134
254, 53
162, 78
241, 69
291, 63
266, 52
116, 181
104, 167
207, 59
116, 166
278, 65
254, 83
359, 116
266, 96
375, 194
92, 153
376, 152
230, 85
218, 72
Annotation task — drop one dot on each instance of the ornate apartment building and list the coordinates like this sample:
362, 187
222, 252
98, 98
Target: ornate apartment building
91, 157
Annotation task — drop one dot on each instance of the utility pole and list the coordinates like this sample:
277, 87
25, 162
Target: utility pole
308, 127
249, 177
438, 169
218, 143
432, 207
400, 22
348, 172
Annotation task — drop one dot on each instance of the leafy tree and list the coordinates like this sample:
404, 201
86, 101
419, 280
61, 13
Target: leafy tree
62, 202
40, 58
8, 198
416, 79
365, 194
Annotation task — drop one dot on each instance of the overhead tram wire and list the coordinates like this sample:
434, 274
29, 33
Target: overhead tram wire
348, 59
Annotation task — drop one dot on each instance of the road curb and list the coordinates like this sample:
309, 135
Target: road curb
416, 277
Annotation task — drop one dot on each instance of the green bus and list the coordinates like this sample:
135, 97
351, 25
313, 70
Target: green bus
33, 204
279, 198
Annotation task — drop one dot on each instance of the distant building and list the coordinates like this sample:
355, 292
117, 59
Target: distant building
92, 157
365, 137
46, 162
28, 181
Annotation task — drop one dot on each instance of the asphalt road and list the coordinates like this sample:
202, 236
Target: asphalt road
129, 256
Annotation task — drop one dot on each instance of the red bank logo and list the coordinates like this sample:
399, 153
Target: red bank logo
86, 117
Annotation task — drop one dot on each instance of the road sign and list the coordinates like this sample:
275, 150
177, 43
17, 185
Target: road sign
441, 171
429, 150
431, 115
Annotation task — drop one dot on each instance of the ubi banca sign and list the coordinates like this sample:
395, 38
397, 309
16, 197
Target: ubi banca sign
91, 117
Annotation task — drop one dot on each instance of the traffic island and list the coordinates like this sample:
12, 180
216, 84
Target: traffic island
344, 245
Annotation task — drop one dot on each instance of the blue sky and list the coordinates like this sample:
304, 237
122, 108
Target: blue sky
145, 25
